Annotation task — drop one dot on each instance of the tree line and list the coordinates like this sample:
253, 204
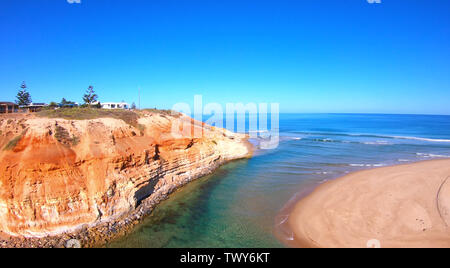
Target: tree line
23, 98
90, 98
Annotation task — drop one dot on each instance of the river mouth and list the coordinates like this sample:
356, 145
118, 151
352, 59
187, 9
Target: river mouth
196, 216
246, 203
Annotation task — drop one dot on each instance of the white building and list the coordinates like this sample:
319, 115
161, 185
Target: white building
115, 105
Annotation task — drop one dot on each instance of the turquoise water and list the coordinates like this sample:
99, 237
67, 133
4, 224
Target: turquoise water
239, 205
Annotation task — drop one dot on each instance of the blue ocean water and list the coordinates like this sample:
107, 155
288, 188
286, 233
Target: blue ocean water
242, 203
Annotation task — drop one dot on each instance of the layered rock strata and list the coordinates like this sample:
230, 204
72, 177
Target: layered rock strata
59, 177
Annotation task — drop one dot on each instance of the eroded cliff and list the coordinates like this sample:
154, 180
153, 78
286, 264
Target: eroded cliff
58, 175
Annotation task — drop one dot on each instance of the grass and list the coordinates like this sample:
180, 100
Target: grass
129, 117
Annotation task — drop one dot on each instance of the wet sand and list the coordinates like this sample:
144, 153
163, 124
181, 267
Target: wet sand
403, 206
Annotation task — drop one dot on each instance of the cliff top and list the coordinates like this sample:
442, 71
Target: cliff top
130, 117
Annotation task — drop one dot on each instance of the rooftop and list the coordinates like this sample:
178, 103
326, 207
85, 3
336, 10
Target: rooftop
7, 103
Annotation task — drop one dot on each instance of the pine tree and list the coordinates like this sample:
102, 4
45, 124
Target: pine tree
23, 96
90, 96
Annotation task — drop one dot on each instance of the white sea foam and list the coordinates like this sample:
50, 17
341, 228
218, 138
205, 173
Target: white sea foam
375, 136
284, 218
287, 138
424, 155
325, 140
402, 137
420, 139
367, 165
376, 143
323, 173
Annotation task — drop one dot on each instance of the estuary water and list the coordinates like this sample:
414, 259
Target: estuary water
239, 205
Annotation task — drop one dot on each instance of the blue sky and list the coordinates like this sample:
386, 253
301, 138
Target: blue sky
308, 55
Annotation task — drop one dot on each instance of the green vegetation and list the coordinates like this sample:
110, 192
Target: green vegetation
52, 105
90, 97
91, 113
65, 102
12, 143
23, 96
62, 135
82, 113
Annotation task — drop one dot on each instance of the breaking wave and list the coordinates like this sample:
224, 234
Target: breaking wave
367, 165
424, 155
371, 136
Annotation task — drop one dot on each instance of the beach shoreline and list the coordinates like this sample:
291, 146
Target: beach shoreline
396, 206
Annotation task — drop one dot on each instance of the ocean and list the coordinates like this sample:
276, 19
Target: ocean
244, 203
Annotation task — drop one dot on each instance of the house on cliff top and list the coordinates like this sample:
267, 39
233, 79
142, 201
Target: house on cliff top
8, 107
115, 105
34, 107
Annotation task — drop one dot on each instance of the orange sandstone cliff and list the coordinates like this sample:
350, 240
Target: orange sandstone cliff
57, 175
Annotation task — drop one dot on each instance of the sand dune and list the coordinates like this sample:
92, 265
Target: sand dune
399, 206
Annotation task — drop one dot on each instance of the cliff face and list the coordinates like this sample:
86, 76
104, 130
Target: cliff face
57, 175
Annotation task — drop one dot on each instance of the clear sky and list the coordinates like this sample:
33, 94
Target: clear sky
308, 55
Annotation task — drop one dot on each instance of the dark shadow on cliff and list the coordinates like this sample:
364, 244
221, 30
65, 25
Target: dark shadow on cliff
147, 190
182, 212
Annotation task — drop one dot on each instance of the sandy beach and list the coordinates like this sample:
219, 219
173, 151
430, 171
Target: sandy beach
403, 206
